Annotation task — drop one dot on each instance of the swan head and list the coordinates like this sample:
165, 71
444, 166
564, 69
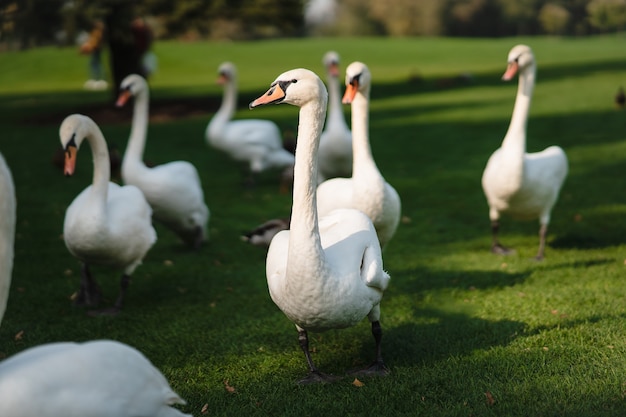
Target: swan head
520, 58
297, 87
358, 79
226, 73
331, 63
74, 129
132, 85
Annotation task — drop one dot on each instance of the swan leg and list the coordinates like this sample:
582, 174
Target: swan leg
117, 307
543, 230
89, 293
496, 246
314, 376
377, 368
124, 283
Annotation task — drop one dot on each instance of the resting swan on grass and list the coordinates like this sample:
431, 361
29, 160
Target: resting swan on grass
255, 141
101, 378
517, 183
325, 274
367, 190
7, 232
173, 190
106, 224
335, 152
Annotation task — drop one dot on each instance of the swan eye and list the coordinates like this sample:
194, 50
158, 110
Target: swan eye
294, 81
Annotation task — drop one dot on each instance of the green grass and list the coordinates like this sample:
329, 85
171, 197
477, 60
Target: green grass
460, 325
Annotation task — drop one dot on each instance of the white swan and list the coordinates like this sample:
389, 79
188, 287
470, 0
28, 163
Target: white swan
327, 274
335, 152
258, 142
106, 224
7, 232
367, 190
101, 378
173, 190
523, 185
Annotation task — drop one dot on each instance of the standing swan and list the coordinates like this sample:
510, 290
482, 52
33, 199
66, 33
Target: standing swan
106, 224
335, 153
327, 274
524, 185
7, 232
258, 142
173, 190
101, 378
367, 190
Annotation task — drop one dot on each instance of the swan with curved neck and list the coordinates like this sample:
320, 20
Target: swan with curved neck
173, 190
335, 151
7, 232
367, 189
100, 378
255, 141
520, 184
325, 272
106, 224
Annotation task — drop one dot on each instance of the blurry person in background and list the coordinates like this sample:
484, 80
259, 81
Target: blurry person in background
93, 47
142, 33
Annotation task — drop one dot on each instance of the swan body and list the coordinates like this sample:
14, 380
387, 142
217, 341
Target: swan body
327, 272
255, 141
99, 378
105, 224
7, 232
335, 151
173, 190
520, 184
367, 189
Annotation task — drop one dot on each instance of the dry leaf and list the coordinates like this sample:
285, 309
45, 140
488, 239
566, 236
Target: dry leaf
405, 219
205, 409
357, 383
19, 335
167, 262
228, 387
490, 400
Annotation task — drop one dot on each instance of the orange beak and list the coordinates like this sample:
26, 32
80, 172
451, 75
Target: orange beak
70, 160
222, 79
351, 90
274, 95
511, 70
333, 69
123, 98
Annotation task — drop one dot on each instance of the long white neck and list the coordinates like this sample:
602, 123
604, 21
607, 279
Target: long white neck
335, 113
138, 132
304, 231
7, 232
515, 138
225, 112
362, 162
101, 170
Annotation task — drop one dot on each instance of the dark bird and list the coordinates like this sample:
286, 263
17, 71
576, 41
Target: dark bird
620, 98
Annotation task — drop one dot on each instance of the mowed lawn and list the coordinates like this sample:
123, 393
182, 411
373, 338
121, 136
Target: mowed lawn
466, 332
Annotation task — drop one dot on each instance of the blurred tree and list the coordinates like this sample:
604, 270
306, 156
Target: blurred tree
408, 17
607, 15
554, 18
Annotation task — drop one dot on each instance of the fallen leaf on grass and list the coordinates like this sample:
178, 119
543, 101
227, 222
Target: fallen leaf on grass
228, 387
205, 409
357, 383
19, 335
490, 400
